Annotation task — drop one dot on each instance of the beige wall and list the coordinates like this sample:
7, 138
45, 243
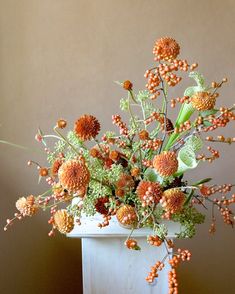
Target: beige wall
59, 58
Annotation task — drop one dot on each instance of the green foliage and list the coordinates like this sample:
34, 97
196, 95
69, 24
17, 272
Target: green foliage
124, 104
143, 96
161, 231
188, 218
74, 140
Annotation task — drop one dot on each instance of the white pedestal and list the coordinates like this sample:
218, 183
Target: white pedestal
110, 268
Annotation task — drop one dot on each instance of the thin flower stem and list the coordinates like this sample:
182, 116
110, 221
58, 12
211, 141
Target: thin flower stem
52, 136
65, 140
164, 110
132, 96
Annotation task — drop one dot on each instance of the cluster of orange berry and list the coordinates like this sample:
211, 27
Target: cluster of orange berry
183, 127
221, 139
214, 155
121, 125
184, 99
207, 191
154, 240
132, 244
158, 266
182, 255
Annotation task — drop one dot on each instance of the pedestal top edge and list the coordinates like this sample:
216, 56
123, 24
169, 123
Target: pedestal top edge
89, 229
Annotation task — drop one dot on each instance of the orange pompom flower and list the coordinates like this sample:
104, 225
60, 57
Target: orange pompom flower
126, 216
27, 206
74, 176
173, 200
166, 163
149, 192
87, 127
203, 101
63, 222
166, 49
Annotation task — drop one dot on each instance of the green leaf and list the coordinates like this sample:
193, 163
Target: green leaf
206, 123
208, 112
190, 196
202, 182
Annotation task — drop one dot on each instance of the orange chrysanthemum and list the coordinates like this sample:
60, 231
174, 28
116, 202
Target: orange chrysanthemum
87, 127
27, 206
63, 222
149, 190
126, 216
203, 101
173, 200
166, 163
74, 176
166, 49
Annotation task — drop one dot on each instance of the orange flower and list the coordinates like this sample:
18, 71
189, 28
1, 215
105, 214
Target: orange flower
166, 49
149, 190
126, 216
203, 101
63, 222
74, 176
173, 200
87, 127
166, 163
27, 205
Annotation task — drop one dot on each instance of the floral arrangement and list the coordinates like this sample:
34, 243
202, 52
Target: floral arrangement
138, 175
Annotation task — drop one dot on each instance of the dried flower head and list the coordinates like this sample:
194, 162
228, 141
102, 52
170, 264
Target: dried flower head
203, 101
87, 127
61, 124
144, 135
126, 216
43, 171
173, 200
114, 155
166, 163
149, 191
135, 172
27, 205
166, 49
74, 176
63, 222
127, 85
